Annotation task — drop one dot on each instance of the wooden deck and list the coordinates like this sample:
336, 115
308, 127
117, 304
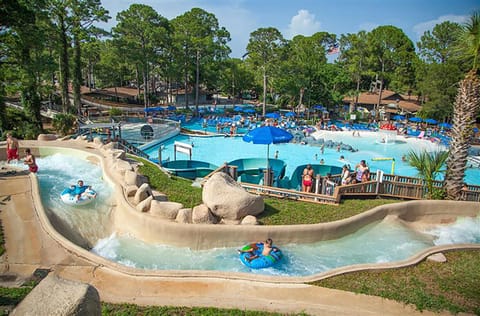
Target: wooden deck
387, 186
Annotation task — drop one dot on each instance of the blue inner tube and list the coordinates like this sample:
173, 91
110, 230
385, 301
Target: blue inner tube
262, 261
68, 196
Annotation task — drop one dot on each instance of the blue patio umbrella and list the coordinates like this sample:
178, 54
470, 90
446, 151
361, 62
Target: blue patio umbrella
430, 121
398, 117
475, 130
272, 115
153, 109
249, 111
171, 108
267, 135
318, 107
415, 119
238, 109
290, 114
445, 125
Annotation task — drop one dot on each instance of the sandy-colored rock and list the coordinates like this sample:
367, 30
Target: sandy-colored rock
144, 205
202, 215
438, 257
184, 216
130, 177
130, 190
249, 220
142, 193
47, 137
121, 166
97, 141
56, 296
167, 210
227, 199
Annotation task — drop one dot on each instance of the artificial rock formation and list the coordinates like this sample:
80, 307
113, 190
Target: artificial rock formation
166, 210
202, 215
226, 199
55, 296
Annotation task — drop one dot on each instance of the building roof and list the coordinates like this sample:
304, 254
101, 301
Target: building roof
395, 100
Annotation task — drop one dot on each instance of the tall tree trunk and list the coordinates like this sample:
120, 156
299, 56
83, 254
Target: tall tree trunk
77, 74
137, 78
197, 79
29, 93
264, 107
3, 110
186, 87
145, 89
64, 70
467, 104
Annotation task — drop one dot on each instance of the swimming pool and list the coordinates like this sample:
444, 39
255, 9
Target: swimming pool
218, 150
381, 241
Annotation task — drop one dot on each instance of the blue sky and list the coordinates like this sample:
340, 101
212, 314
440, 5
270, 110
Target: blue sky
305, 17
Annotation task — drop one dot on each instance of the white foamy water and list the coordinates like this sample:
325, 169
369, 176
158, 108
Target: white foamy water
464, 230
59, 171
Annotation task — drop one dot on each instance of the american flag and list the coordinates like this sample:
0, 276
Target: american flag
333, 49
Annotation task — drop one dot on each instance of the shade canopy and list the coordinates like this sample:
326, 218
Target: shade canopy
267, 135
398, 117
290, 114
249, 111
272, 115
445, 125
430, 121
415, 119
318, 107
154, 109
238, 109
171, 108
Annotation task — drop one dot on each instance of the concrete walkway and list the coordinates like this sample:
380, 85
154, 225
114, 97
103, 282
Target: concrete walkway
30, 246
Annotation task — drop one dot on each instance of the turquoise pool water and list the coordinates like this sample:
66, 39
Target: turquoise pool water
217, 150
375, 243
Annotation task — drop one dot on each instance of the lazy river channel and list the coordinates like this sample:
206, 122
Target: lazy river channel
379, 242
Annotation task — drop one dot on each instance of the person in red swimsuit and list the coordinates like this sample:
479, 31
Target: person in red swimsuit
12, 148
307, 179
30, 161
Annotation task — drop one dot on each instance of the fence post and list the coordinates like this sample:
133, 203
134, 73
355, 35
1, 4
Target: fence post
379, 180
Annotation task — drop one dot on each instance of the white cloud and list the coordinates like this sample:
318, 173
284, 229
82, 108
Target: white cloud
303, 23
421, 28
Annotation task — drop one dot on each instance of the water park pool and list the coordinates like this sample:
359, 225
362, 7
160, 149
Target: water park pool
382, 241
218, 149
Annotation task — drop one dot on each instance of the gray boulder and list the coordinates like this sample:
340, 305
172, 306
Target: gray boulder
202, 215
184, 216
166, 210
249, 220
226, 199
142, 193
55, 296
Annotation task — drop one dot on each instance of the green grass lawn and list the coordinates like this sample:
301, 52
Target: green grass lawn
452, 286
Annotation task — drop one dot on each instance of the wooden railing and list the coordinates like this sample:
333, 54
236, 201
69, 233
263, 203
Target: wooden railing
391, 186
131, 149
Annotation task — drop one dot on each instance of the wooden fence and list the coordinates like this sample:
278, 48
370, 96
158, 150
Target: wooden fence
380, 185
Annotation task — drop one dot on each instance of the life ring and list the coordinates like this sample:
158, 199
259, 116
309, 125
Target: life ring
86, 197
262, 261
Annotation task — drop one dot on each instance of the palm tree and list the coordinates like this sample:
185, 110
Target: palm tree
428, 165
466, 106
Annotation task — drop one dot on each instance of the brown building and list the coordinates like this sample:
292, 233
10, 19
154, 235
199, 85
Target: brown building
391, 102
